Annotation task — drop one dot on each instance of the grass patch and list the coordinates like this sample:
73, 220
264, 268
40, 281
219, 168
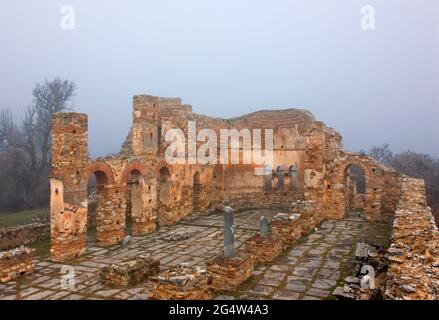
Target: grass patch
9, 219
42, 247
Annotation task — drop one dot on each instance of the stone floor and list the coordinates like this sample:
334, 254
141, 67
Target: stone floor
309, 270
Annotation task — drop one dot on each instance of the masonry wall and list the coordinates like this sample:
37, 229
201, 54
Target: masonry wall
414, 253
16, 236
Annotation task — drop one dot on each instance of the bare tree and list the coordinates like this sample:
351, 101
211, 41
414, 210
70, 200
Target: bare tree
417, 165
27, 146
381, 153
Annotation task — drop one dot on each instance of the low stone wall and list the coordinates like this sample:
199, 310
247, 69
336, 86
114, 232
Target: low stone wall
181, 283
129, 272
16, 263
414, 253
12, 237
253, 200
227, 274
292, 227
264, 248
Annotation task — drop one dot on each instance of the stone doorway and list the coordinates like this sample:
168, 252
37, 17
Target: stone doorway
355, 182
96, 194
133, 200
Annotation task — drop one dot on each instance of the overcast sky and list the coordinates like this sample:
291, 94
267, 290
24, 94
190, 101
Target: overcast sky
232, 57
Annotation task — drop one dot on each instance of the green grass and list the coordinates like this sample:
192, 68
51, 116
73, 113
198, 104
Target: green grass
8, 219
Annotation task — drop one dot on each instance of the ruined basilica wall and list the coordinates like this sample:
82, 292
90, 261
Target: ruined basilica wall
413, 256
243, 186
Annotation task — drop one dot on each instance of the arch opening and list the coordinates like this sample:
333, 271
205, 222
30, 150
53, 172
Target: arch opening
268, 178
280, 171
96, 193
355, 191
133, 199
293, 178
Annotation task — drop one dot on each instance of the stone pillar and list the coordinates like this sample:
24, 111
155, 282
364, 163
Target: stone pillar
143, 211
264, 227
231, 269
314, 165
281, 178
145, 139
229, 241
146, 147
68, 185
110, 218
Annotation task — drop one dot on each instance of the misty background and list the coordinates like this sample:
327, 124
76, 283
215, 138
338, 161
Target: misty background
228, 58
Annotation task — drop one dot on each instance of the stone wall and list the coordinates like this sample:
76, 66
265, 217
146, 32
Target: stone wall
414, 253
12, 237
16, 263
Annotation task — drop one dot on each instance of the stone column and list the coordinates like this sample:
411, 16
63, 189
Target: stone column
229, 241
68, 184
264, 227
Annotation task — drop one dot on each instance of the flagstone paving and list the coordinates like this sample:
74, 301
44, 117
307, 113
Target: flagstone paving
309, 270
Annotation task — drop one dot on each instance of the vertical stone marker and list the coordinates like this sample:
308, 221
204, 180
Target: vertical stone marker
264, 246
229, 240
264, 226
230, 269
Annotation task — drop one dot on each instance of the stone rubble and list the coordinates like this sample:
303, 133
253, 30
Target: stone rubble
365, 255
130, 272
177, 236
181, 283
292, 227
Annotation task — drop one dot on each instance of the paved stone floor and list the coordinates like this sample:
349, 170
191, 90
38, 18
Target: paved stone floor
309, 270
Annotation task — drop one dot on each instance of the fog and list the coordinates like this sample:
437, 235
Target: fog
228, 58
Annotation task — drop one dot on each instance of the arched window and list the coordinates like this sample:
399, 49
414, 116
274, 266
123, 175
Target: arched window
293, 178
268, 176
281, 177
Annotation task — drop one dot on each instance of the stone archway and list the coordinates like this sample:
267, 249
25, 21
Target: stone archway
355, 188
103, 199
336, 189
135, 192
164, 204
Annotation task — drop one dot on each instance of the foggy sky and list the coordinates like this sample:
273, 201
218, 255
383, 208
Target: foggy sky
232, 57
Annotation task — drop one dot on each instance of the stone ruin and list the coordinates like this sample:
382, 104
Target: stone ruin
230, 269
356, 287
310, 169
16, 263
265, 246
181, 283
130, 272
